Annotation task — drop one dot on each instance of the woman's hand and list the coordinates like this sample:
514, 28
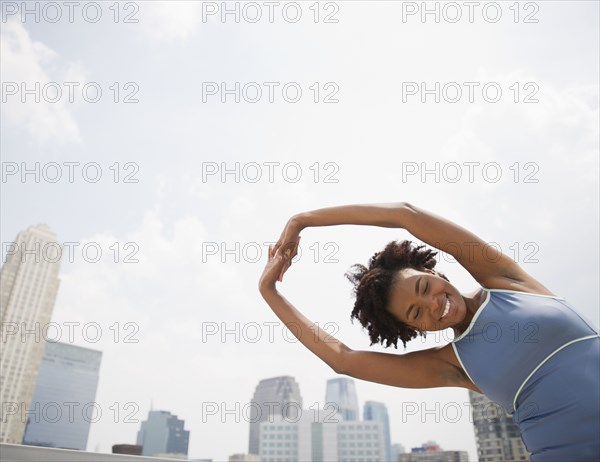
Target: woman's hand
275, 266
288, 243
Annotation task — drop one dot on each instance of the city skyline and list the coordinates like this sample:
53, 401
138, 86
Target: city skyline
340, 391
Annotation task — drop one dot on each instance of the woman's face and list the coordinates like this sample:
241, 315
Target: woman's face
425, 301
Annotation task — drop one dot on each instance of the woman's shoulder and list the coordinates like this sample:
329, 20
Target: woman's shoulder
529, 286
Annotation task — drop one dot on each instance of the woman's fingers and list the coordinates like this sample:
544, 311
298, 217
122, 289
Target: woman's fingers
297, 245
283, 270
272, 271
286, 236
290, 253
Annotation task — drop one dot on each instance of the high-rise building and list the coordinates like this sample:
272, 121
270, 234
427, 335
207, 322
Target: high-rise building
419, 455
28, 286
317, 435
361, 441
498, 437
68, 374
431, 452
163, 433
279, 396
342, 392
377, 411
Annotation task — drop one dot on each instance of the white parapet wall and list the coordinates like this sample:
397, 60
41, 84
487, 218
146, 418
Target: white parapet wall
23, 453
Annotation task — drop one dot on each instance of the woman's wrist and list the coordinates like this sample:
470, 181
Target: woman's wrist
269, 292
265, 287
299, 221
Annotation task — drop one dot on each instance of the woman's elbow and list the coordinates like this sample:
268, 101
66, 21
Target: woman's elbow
340, 364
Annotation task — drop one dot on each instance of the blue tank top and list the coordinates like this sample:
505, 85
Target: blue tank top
535, 349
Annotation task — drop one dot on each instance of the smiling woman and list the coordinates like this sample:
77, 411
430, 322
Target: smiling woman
545, 355
409, 270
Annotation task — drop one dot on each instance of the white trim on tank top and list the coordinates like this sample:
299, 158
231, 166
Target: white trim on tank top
587, 337
485, 302
476, 315
461, 363
526, 293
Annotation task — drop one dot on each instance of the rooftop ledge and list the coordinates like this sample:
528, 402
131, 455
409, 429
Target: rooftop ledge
22, 453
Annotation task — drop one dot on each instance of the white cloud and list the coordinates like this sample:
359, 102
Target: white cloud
32, 62
173, 20
553, 141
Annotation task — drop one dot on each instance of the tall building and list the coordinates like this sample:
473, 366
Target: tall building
376, 411
28, 287
362, 441
342, 392
498, 437
163, 433
436, 455
319, 436
68, 374
277, 396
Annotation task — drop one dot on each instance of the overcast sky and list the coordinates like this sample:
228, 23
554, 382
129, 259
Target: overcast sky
331, 111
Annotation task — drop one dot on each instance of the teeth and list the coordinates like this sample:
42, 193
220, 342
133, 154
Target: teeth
447, 308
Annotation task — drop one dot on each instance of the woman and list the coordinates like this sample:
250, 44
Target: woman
515, 341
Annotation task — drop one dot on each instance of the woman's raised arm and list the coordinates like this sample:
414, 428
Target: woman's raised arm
420, 369
329, 349
485, 263
383, 215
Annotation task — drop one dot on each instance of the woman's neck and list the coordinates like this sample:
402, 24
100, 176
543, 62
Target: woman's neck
472, 301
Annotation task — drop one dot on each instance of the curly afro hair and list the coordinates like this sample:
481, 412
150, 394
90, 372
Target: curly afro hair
372, 287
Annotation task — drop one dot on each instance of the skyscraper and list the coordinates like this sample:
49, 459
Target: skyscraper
376, 411
163, 433
498, 437
342, 392
68, 374
28, 287
278, 396
315, 436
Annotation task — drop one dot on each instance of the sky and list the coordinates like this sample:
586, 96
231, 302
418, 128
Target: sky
167, 145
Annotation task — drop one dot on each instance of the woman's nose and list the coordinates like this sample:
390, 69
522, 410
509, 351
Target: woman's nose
432, 305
